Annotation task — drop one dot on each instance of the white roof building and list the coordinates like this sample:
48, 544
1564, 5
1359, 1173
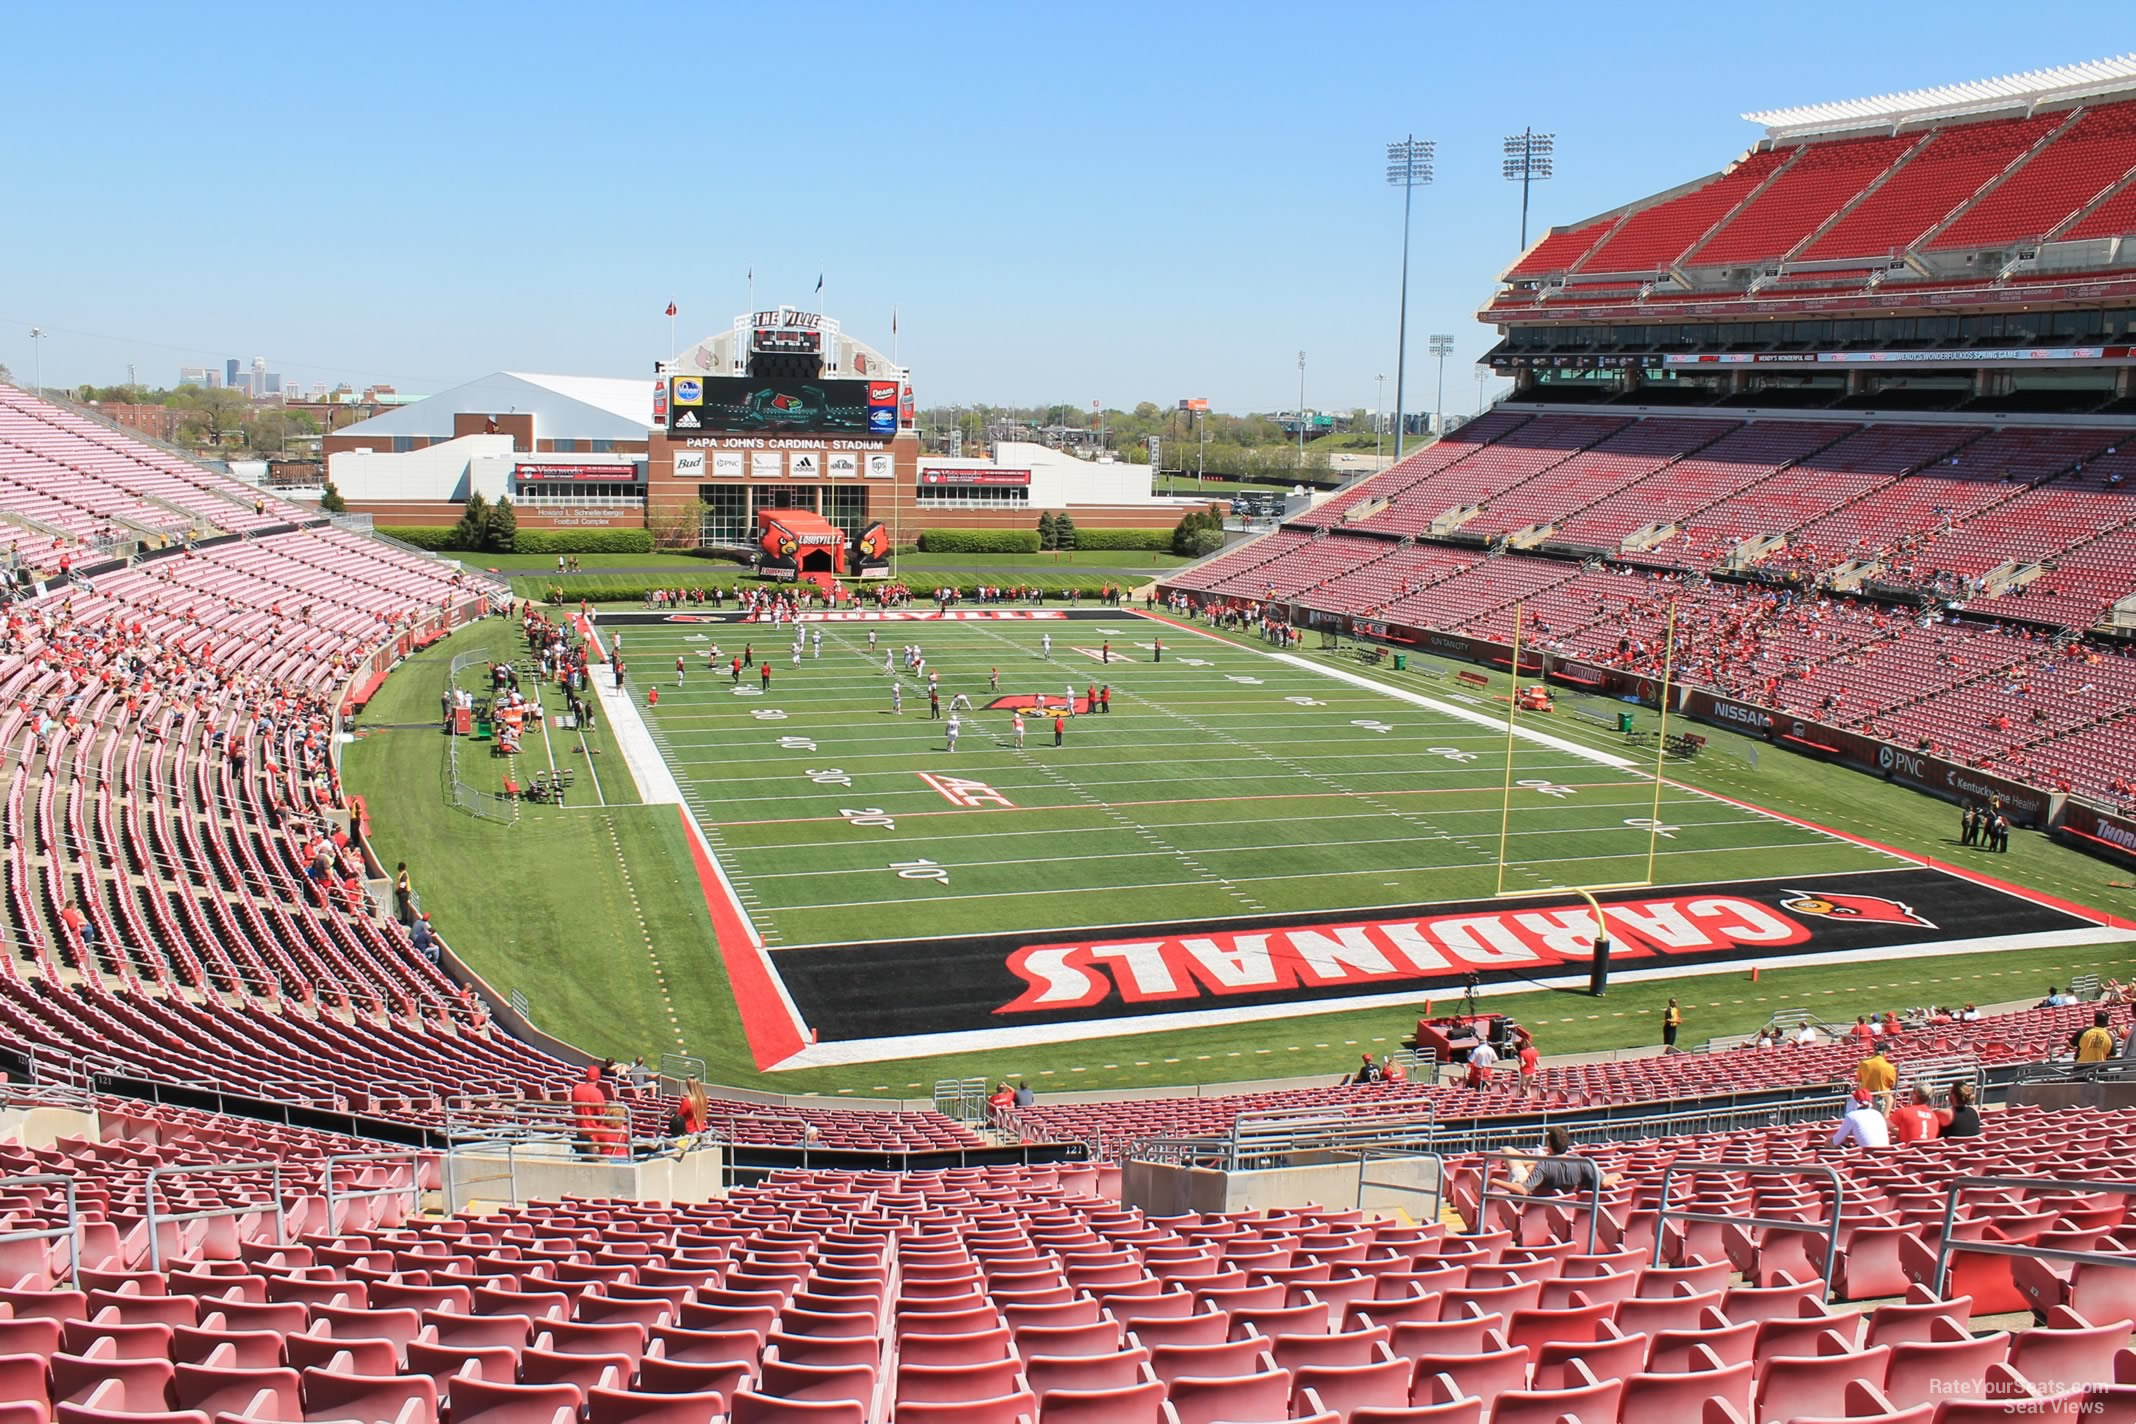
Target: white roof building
563, 407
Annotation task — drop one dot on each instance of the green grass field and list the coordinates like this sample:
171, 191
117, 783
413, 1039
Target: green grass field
596, 913
1223, 782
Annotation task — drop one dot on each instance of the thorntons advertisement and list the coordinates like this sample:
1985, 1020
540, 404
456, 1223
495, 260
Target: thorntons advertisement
2100, 832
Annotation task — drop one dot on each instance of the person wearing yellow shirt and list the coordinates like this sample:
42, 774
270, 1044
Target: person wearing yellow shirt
2096, 1044
1878, 1074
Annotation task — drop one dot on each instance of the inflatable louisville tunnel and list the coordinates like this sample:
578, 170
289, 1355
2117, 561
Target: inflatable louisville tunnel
798, 543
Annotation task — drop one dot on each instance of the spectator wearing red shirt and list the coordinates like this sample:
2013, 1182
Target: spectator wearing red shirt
589, 1105
1917, 1121
1530, 1064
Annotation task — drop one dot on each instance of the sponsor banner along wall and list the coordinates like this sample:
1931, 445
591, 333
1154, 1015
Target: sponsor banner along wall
2100, 832
867, 991
2025, 805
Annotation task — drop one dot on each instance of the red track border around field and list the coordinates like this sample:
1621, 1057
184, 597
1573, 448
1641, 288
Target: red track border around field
768, 1021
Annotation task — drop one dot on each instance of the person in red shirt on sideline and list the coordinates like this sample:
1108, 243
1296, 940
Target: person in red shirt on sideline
1917, 1121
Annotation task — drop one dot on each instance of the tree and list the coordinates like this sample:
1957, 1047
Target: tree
214, 414
1063, 533
6, 374
272, 429
676, 526
1199, 534
473, 527
502, 531
1048, 530
330, 500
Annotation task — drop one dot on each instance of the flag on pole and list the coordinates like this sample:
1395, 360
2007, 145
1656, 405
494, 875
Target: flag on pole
671, 309
819, 284
893, 321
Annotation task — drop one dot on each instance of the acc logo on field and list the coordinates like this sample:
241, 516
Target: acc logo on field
959, 791
689, 391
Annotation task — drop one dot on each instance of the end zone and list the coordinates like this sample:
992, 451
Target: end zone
866, 1002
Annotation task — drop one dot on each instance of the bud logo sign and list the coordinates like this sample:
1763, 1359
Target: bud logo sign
873, 995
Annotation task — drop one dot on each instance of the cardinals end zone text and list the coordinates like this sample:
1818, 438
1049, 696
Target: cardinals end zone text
883, 991
1063, 976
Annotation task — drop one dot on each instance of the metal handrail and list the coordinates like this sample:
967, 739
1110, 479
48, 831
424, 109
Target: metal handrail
156, 1218
1489, 1136
1594, 1192
72, 1230
1829, 1227
2019, 1248
413, 1190
1437, 1190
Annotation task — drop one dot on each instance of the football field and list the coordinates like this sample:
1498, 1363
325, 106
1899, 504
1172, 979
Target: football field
1226, 781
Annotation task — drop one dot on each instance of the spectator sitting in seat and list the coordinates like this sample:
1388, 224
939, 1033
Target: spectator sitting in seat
424, 942
2095, 1044
1917, 1121
1024, 1096
1863, 1125
1961, 1118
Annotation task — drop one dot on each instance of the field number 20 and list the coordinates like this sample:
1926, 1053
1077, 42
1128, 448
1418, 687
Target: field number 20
868, 816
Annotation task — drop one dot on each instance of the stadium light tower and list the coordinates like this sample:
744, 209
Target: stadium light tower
1379, 413
1528, 160
1442, 346
38, 337
1301, 410
1408, 168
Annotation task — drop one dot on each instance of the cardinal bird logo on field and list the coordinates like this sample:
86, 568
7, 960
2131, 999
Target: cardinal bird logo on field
1026, 702
1863, 909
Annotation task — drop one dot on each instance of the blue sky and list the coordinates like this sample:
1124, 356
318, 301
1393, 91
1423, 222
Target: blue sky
1063, 203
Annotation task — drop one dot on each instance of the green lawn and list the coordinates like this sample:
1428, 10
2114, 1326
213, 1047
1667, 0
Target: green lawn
543, 905
574, 906
599, 563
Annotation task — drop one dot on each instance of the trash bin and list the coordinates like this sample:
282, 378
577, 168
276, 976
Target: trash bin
1401, 661
1624, 723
